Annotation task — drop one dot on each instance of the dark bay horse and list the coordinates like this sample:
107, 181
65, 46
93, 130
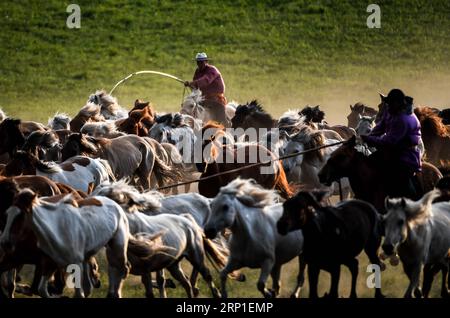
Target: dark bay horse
226, 157
366, 176
12, 138
252, 115
333, 235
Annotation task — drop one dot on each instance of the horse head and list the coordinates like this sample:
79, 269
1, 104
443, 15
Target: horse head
12, 136
339, 164
299, 210
77, 144
18, 224
21, 163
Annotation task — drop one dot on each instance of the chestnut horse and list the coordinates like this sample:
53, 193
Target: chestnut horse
222, 157
140, 119
435, 135
365, 176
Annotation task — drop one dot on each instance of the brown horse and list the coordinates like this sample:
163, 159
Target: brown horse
140, 119
359, 109
435, 135
12, 137
130, 156
224, 157
366, 177
89, 112
29, 253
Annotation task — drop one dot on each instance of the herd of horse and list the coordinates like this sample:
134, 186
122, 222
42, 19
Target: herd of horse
76, 185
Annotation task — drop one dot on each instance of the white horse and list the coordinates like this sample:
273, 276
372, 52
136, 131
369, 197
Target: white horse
79, 172
192, 106
365, 125
420, 233
70, 232
171, 128
183, 238
109, 107
251, 213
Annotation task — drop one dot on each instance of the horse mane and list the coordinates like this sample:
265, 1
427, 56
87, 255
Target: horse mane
196, 97
251, 194
89, 110
431, 122
417, 212
59, 120
107, 128
106, 101
124, 193
46, 139
311, 138
47, 167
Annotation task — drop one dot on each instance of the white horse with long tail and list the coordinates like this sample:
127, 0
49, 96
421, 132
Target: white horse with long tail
251, 213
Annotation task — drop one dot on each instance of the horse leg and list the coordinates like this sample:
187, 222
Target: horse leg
300, 277
353, 267
146, 280
8, 281
116, 254
413, 273
79, 292
275, 274
230, 267
47, 273
371, 250
428, 274
193, 281
266, 268
177, 273
161, 281
444, 290
335, 272
198, 262
313, 279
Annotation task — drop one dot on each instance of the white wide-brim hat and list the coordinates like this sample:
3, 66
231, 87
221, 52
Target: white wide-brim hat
201, 57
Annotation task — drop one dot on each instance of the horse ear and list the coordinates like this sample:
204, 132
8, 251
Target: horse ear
25, 200
382, 97
351, 107
387, 203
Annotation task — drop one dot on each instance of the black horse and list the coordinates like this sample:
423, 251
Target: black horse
333, 236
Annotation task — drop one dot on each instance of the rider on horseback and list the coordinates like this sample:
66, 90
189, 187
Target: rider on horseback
396, 137
209, 80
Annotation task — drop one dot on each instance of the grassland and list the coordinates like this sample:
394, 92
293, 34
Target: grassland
285, 53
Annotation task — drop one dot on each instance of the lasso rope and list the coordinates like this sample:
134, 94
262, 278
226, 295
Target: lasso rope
251, 165
145, 72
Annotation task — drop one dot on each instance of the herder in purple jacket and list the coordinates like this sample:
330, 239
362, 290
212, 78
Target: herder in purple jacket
396, 137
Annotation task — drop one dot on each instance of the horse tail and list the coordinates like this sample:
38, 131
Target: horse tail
146, 246
214, 255
165, 174
281, 183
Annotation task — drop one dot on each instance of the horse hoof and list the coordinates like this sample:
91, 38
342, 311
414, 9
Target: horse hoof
417, 293
196, 292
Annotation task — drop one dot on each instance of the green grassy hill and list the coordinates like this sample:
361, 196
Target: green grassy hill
285, 53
